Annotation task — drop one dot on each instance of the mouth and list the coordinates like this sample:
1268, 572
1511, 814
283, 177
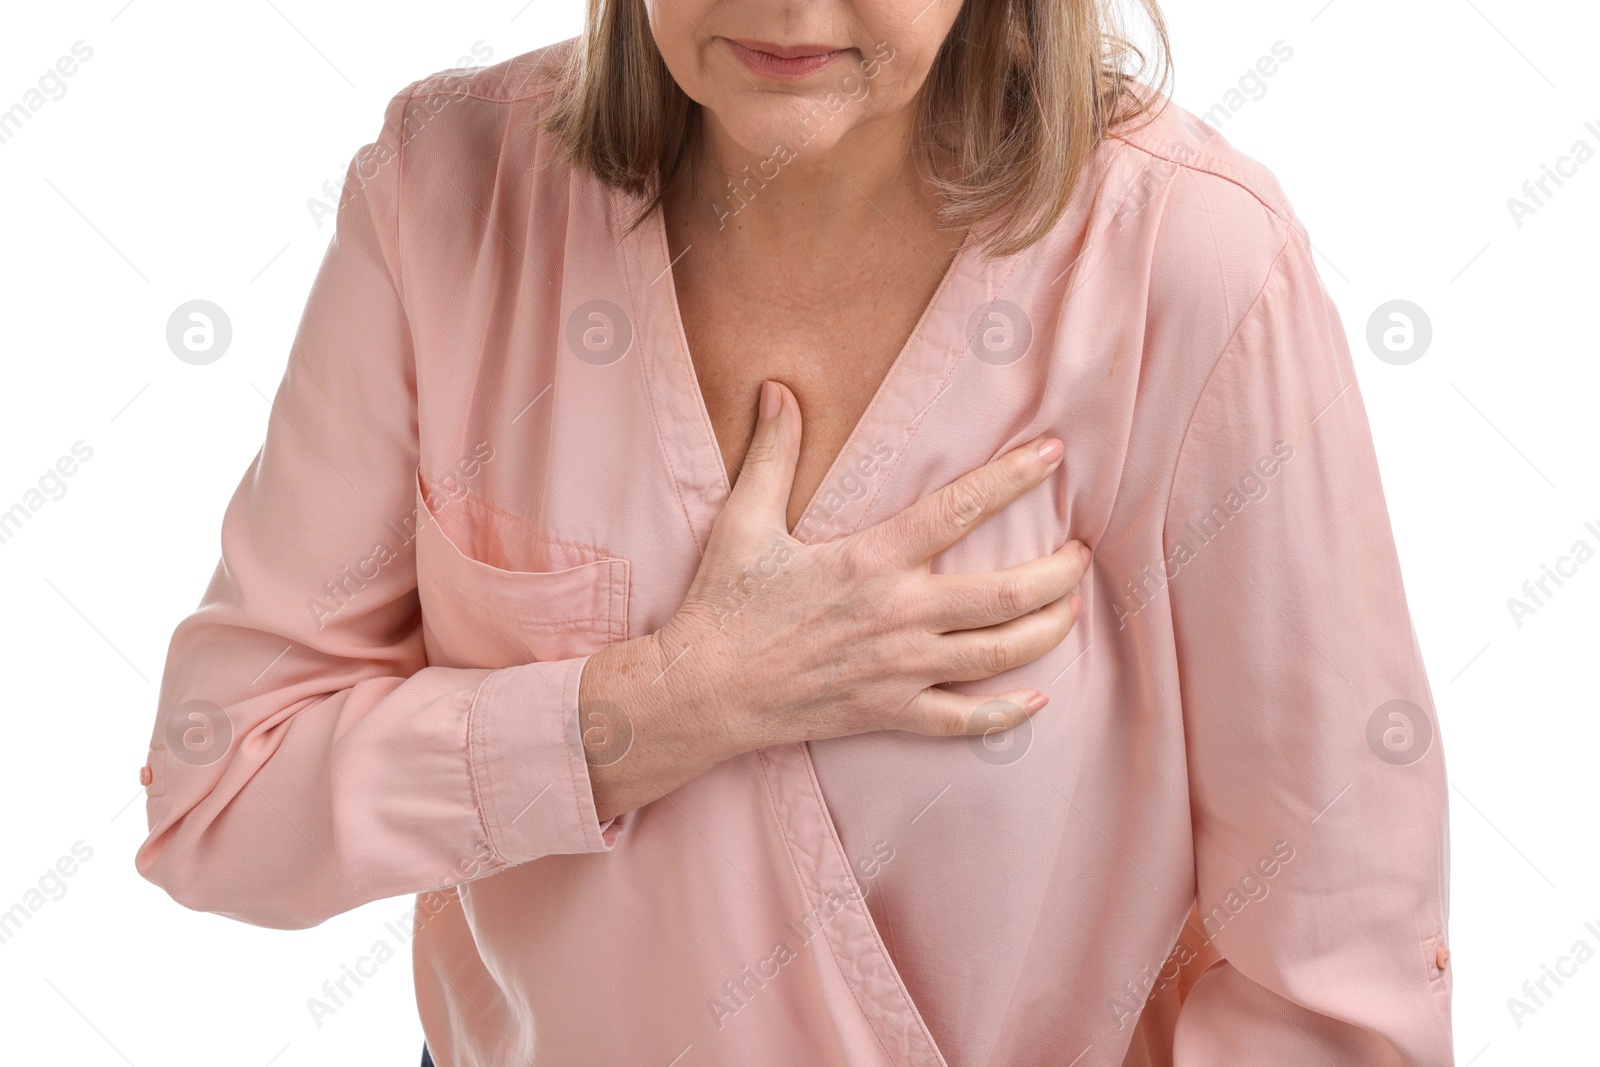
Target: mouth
789, 62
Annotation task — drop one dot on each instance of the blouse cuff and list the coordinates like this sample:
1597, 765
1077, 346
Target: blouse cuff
526, 750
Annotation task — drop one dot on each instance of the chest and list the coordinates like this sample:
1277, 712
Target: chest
833, 345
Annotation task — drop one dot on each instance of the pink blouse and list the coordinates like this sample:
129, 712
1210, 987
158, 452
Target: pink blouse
1223, 842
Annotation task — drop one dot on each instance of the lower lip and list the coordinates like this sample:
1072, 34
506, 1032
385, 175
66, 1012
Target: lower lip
771, 66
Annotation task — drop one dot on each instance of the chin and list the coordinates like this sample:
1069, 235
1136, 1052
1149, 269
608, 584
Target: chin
789, 126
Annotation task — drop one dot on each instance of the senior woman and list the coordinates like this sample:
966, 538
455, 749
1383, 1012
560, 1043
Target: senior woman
664, 544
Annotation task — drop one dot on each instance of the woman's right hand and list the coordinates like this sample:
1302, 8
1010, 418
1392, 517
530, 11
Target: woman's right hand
780, 641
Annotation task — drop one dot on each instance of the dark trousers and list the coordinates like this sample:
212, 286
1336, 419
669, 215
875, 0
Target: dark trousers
427, 1060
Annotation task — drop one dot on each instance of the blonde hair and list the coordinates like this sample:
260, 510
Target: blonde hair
1018, 100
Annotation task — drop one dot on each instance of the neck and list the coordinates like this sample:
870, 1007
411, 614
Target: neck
802, 199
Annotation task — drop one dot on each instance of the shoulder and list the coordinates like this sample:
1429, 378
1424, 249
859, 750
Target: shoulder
461, 116
1175, 143
1188, 241
520, 78
1207, 224
1193, 193
452, 142
464, 134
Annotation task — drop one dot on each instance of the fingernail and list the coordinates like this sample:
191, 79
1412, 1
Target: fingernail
1037, 701
771, 399
1077, 604
1086, 553
1051, 450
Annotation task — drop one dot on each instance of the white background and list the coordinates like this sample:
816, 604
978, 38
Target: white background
1399, 130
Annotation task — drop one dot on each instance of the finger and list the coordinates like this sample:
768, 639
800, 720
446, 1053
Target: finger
941, 713
942, 518
971, 655
969, 601
766, 477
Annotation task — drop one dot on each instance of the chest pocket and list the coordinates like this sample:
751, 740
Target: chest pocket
481, 608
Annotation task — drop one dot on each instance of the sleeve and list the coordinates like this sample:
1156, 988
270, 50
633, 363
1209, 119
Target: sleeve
1317, 783
304, 762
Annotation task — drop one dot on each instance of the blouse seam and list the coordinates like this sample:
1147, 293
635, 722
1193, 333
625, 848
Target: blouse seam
479, 776
569, 688
951, 363
805, 883
1183, 441
541, 77
1208, 164
647, 367
472, 95
399, 185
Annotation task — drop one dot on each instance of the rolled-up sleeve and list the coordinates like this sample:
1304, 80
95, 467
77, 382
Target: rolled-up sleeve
1317, 780
307, 760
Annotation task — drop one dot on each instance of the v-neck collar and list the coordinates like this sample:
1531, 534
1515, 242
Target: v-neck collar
915, 379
